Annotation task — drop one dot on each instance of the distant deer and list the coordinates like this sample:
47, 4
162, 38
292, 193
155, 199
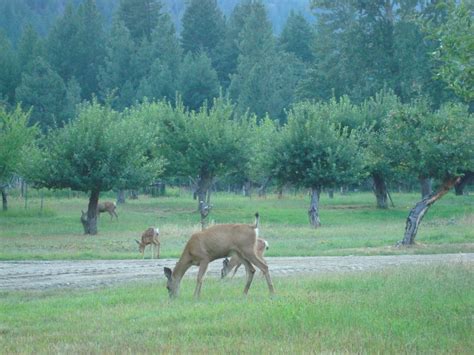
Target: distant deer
214, 243
150, 237
107, 207
234, 261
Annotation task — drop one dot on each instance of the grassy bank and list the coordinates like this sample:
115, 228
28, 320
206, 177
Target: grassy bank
351, 226
422, 310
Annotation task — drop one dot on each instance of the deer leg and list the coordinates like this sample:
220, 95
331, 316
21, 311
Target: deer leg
202, 270
152, 250
158, 251
262, 265
236, 268
250, 271
116, 216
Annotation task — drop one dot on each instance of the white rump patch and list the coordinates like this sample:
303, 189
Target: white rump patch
266, 244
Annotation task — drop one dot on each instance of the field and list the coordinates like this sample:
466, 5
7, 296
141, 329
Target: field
399, 310
351, 226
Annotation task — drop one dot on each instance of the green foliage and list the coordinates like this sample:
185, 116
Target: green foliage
9, 71
198, 82
432, 144
455, 39
16, 138
203, 27
140, 17
316, 150
297, 37
208, 143
43, 90
99, 150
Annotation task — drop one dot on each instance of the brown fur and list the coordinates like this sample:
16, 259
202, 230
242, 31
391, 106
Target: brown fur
107, 207
150, 237
218, 242
235, 261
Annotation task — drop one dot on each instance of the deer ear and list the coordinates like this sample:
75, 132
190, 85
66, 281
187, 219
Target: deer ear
137, 242
167, 273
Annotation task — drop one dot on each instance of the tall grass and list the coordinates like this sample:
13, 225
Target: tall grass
422, 310
351, 225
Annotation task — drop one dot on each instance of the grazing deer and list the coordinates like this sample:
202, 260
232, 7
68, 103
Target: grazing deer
150, 237
214, 243
234, 261
107, 207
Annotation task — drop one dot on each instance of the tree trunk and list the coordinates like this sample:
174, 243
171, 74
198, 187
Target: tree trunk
426, 187
90, 221
331, 193
313, 211
120, 197
465, 180
204, 199
4, 198
247, 189
418, 212
262, 190
380, 190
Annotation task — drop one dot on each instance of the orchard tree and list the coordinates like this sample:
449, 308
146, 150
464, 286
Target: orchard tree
315, 151
98, 151
16, 139
203, 145
381, 168
437, 145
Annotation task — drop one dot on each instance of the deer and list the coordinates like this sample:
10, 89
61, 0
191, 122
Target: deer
107, 207
234, 261
214, 243
150, 237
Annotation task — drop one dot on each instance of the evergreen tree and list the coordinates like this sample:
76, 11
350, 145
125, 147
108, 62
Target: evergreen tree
297, 37
117, 73
198, 82
9, 71
30, 46
75, 46
203, 27
43, 90
140, 17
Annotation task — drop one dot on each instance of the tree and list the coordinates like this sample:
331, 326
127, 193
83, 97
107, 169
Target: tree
455, 40
16, 137
117, 75
198, 82
316, 151
381, 168
265, 78
431, 144
75, 46
203, 27
297, 37
9, 71
43, 90
99, 150
140, 17
204, 144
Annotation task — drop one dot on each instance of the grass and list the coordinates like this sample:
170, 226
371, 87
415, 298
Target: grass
351, 225
401, 310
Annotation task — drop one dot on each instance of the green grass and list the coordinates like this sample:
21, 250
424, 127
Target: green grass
351, 225
422, 310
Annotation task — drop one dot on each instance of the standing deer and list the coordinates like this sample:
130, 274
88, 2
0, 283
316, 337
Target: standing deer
235, 261
107, 207
150, 237
214, 243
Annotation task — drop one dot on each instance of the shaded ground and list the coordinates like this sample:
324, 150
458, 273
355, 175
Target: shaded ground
44, 275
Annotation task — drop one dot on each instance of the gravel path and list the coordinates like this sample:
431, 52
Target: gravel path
44, 275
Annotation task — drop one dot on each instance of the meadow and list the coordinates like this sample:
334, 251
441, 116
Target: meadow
351, 225
398, 310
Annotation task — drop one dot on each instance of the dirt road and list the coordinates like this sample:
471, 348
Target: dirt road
44, 275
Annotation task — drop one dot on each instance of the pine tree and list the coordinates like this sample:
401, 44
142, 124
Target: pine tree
140, 17
9, 71
297, 37
43, 90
